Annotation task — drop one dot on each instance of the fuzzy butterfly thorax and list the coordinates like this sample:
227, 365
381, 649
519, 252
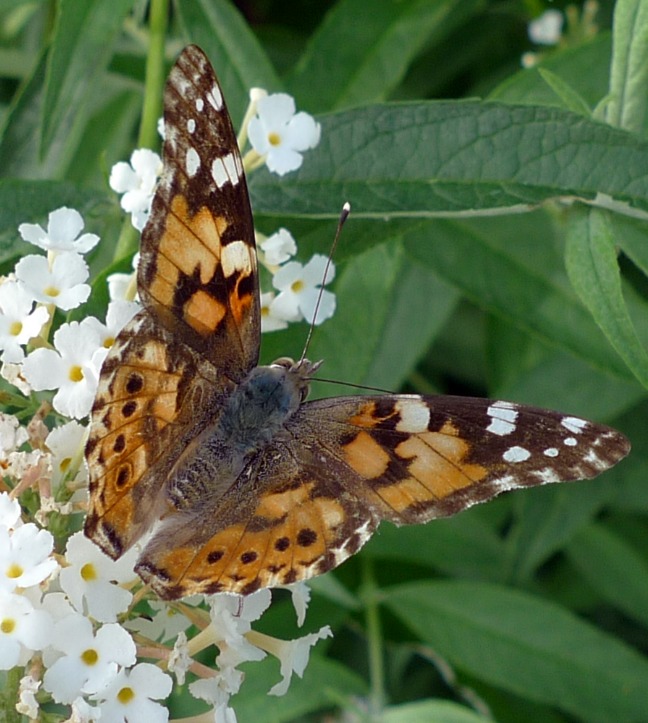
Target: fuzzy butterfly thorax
251, 418
238, 482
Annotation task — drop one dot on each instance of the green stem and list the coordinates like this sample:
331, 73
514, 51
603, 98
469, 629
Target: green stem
155, 74
374, 640
152, 105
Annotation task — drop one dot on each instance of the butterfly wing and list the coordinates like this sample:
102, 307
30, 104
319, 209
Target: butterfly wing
419, 458
198, 270
314, 498
198, 334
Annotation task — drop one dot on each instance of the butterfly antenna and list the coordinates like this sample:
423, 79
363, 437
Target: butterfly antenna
346, 210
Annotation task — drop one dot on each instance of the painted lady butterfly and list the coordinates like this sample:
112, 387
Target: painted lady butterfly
244, 484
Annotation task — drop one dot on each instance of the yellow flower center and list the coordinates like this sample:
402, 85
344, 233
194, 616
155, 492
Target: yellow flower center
52, 291
89, 656
108, 342
297, 286
65, 464
76, 374
274, 139
16, 328
8, 625
125, 695
88, 572
14, 570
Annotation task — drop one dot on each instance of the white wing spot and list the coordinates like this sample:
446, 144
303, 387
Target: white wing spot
200, 104
573, 424
504, 416
550, 452
191, 125
516, 454
547, 476
571, 441
235, 256
215, 98
192, 161
225, 170
414, 416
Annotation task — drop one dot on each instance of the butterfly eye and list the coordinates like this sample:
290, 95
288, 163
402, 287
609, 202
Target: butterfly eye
285, 361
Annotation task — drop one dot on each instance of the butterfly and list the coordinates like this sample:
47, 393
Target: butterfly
235, 480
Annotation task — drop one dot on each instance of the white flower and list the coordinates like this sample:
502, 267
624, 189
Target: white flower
137, 182
119, 313
89, 579
23, 630
13, 374
25, 556
27, 704
122, 286
130, 696
9, 511
292, 654
18, 323
281, 135
179, 659
299, 288
300, 594
270, 322
166, 624
66, 444
83, 712
90, 661
231, 616
12, 436
72, 368
63, 227
278, 247
546, 29
61, 285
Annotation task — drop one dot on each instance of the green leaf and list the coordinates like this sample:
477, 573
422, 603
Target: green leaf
233, 49
594, 271
584, 67
464, 546
627, 106
530, 371
82, 45
632, 238
324, 684
457, 157
491, 275
527, 646
357, 57
547, 518
613, 568
570, 98
424, 711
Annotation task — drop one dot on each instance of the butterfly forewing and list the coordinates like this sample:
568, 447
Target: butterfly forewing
197, 271
425, 457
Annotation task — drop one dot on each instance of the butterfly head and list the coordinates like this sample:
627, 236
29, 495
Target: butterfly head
299, 372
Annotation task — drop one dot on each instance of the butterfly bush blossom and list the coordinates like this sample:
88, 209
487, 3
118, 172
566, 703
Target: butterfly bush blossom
79, 628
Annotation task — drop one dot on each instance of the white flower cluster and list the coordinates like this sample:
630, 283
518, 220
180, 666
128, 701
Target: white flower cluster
79, 626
